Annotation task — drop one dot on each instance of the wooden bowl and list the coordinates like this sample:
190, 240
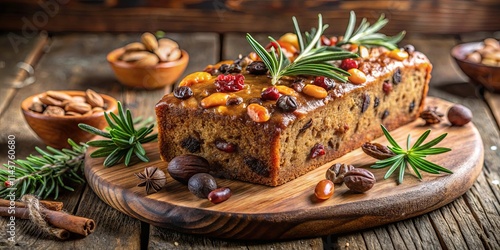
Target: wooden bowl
158, 76
485, 75
55, 131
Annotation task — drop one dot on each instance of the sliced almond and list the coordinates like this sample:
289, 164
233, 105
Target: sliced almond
149, 41
94, 99
148, 61
81, 108
135, 46
174, 55
58, 95
47, 100
133, 56
166, 42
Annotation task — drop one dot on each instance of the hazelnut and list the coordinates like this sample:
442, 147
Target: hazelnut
202, 184
459, 115
183, 167
359, 180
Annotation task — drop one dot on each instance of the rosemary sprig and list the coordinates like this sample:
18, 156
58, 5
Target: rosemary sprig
413, 156
123, 140
313, 58
367, 35
44, 175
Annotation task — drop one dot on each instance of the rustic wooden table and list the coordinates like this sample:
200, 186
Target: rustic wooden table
78, 61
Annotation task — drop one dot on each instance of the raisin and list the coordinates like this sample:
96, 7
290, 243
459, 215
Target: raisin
257, 166
376, 102
366, 102
412, 106
317, 150
324, 82
223, 68
409, 48
225, 146
396, 77
229, 68
234, 101
192, 145
270, 93
183, 92
298, 85
254, 100
348, 64
385, 114
387, 87
287, 103
229, 83
257, 68
306, 126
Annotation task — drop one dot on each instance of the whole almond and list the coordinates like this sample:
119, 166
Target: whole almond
149, 41
72, 113
133, 56
166, 42
135, 46
79, 99
148, 61
47, 100
162, 52
54, 111
97, 110
174, 55
94, 99
81, 108
58, 95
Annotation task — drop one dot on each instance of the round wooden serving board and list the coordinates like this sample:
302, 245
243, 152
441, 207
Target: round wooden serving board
291, 210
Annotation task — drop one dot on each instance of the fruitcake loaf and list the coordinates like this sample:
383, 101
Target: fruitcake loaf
262, 122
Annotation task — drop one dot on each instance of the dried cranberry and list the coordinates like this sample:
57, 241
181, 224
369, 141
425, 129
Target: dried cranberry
7, 184
183, 92
387, 87
229, 83
257, 68
324, 82
270, 93
325, 41
287, 103
225, 146
348, 64
396, 77
317, 150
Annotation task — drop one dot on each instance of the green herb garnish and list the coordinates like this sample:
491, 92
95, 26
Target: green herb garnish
123, 139
44, 175
366, 35
413, 156
313, 59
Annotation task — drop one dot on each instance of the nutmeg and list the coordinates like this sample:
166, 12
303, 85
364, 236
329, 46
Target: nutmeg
183, 167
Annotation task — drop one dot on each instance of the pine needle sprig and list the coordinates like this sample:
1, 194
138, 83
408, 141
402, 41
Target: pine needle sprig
44, 175
122, 139
313, 59
413, 156
367, 35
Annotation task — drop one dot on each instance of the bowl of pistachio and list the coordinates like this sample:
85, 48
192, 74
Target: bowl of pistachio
480, 61
54, 115
150, 64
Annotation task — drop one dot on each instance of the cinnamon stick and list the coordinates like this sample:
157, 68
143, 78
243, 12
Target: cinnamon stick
72, 223
51, 205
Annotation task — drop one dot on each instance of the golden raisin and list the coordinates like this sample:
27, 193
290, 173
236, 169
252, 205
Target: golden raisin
357, 76
324, 189
215, 99
315, 91
284, 90
398, 54
194, 78
258, 113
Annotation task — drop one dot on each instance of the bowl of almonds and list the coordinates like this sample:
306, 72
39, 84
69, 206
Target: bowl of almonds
480, 61
54, 115
150, 64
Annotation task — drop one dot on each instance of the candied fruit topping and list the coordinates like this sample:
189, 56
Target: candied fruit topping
324, 82
348, 64
229, 83
270, 93
183, 92
258, 113
287, 103
194, 78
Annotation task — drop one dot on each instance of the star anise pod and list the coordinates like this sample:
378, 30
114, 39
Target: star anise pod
377, 150
153, 178
431, 116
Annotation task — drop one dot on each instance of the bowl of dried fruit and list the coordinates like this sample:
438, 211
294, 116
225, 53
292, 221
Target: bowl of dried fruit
150, 64
480, 61
54, 115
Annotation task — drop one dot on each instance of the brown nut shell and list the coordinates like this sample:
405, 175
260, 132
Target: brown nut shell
183, 167
459, 115
337, 172
359, 180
